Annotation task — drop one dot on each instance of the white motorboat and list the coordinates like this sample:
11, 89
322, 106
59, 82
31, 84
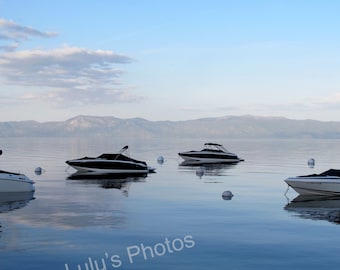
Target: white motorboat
110, 163
212, 153
326, 183
15, 182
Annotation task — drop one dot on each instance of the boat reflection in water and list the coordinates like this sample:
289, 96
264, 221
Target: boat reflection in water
10, 201
107, 180
316, 207
208, 169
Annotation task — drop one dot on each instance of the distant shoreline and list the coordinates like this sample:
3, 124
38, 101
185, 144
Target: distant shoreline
247, 127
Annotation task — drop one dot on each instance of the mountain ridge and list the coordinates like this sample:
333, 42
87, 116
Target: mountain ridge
229, 126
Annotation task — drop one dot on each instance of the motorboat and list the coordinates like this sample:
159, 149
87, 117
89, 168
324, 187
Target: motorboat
326, 183
212, 153
15, 182
110, 163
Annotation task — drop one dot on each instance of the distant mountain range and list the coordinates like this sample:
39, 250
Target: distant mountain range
210, 128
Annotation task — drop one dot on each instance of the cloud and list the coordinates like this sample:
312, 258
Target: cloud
12, 31
67, 75
64, 67
330, 102
9, 48
332, 99
13, 34
78, 97
207, 109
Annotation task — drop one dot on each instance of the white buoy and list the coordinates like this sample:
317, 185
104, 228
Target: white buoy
160, 160
311, 162
200, 171
227, 195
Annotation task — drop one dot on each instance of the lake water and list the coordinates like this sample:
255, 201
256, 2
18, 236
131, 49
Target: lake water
173, 219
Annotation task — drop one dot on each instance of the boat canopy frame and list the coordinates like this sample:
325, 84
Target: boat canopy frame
217, 146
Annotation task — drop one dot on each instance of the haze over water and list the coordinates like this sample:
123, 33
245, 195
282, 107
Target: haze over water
173, 219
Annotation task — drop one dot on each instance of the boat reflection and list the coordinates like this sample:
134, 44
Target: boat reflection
10, 201
209, 169
316, 207
108, 181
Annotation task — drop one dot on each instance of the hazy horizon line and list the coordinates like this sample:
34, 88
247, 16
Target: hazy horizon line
167, 120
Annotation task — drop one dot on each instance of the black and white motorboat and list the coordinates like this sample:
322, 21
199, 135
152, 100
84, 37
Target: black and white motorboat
212, 153
326, 183
111, 164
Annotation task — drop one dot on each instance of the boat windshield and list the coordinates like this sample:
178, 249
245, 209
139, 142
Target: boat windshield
1, 171
216, 146
119, 157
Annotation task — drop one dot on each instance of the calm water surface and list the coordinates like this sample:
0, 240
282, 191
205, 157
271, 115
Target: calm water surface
173, 219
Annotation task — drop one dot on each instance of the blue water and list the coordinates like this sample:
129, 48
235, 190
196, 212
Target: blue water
173, 219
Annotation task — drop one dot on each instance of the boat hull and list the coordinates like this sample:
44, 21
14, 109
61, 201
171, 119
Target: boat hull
109, 167
326, 185
110, 171
15, 183
209, 158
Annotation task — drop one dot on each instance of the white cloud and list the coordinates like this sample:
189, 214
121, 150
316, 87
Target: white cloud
332, 99
67, 75
81, 97
9, 48
12, 31
60, 68
13, 34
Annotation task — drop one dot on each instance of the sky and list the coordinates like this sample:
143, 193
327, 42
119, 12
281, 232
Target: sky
169, 59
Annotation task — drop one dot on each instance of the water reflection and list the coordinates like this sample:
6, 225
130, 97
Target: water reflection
209, 169
10, 201
82, 201
108, 181
316, 207
75, 206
